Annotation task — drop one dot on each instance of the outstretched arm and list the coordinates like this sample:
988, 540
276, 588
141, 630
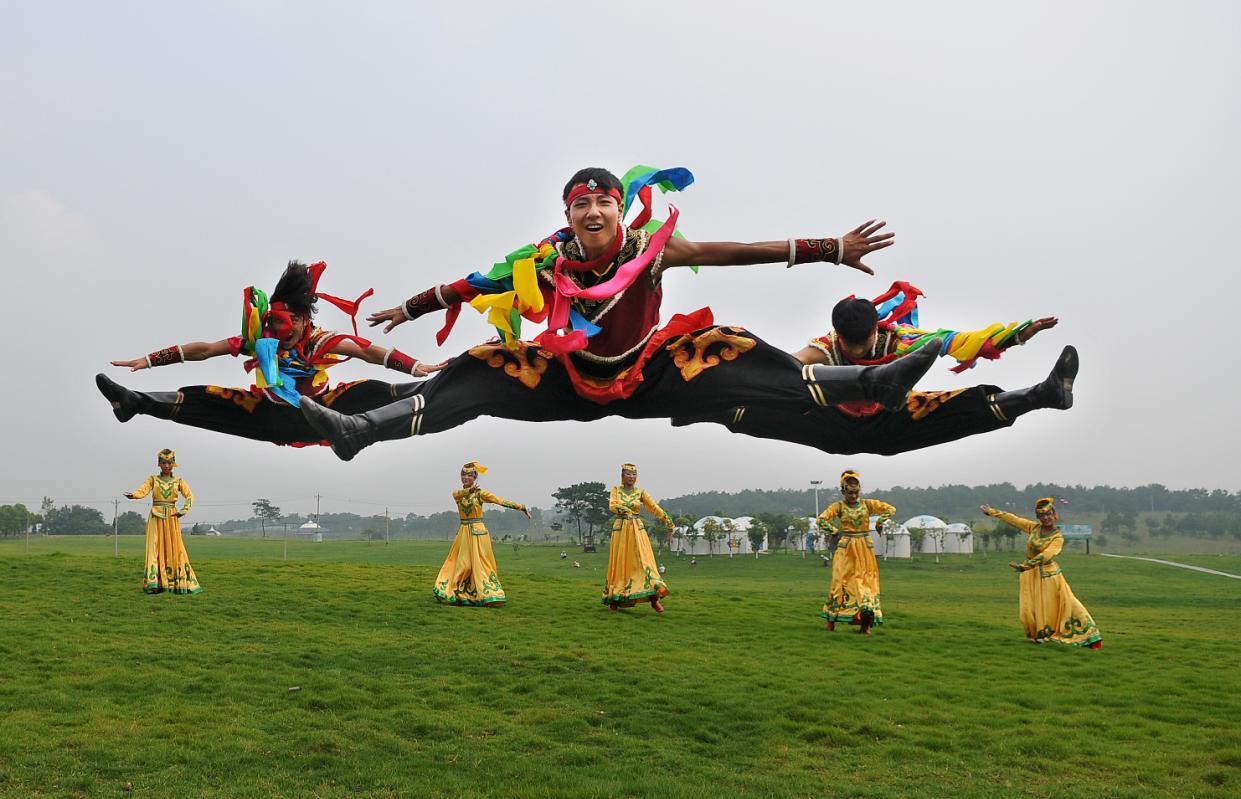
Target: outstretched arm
142, 490
194, 351
391, 358
847, 250
1024, 525
437, 298
487, 496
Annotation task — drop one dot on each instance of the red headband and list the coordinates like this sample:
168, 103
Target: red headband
591, 187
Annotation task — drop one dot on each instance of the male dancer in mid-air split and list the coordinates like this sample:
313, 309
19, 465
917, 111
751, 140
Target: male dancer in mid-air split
597, 284
860, 337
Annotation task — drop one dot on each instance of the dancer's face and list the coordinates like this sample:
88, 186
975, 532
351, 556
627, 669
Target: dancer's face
851, 490
594, 219
1047, 517
629, 479
165, 469
467, 479
861, 349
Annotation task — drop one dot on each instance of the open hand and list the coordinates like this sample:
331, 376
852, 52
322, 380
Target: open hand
987, 509
1046, 323
862, 241
423, 369
393, 316
134, 365
527, 512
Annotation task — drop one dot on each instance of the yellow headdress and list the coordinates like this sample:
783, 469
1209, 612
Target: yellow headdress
1045, 503
474, 467
167, 456
849, 474
629, 467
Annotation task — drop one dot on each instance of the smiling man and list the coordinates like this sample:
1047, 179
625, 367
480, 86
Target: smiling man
598, 285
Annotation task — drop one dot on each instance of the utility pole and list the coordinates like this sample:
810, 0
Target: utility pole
317, 498
116, 548
815, 484
286, 540
387, 527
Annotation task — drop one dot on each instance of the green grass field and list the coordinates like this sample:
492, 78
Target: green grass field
735, 691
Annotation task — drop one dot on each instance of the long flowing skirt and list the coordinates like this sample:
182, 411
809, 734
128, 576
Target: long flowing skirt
633, 575
469, 576
855, 581
167, 563
1050, 611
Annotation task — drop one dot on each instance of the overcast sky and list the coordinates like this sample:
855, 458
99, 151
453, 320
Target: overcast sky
1034, 159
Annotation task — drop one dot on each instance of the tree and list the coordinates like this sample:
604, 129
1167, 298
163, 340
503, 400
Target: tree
586, 502
776, 525
14, 519
711, 531
75, 520
130, 522
266, 512
759, 531
800, 526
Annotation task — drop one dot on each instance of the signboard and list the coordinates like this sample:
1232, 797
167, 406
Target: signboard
1077, 532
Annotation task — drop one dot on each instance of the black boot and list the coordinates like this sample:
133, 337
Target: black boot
1054, 392
350, 434
887, 384
126, 403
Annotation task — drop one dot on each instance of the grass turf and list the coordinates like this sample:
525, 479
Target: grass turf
735, 691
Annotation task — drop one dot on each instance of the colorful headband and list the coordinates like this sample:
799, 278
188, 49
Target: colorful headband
849, 475
629, 467
473, 467
591, 187
167, 456
1045, 502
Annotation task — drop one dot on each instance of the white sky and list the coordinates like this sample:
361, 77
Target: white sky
1033, 159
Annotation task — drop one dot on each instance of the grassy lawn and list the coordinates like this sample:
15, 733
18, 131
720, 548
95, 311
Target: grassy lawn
735, 691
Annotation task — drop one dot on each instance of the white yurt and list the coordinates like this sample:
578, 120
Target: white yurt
312, 531
894, 543
812, 540
959, 539
735, 541
934, 531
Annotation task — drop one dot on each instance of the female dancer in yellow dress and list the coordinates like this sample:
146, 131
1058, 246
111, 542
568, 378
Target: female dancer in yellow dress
854, 595
469, 576
1048, 608
633, 575
167, 563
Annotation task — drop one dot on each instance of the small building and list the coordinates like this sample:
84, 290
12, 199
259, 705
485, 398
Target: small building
932, 531
733, 541
958, 539
312, 531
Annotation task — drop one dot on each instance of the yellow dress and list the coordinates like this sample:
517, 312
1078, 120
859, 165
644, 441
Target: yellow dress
633, 575
855, 572
469, 576
1048, 608
167, 563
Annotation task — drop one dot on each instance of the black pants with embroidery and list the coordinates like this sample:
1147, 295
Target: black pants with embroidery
238, 412
929, 418
707, 371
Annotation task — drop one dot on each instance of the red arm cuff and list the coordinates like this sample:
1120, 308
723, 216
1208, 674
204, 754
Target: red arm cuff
812, 250
400, 362
166, 356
